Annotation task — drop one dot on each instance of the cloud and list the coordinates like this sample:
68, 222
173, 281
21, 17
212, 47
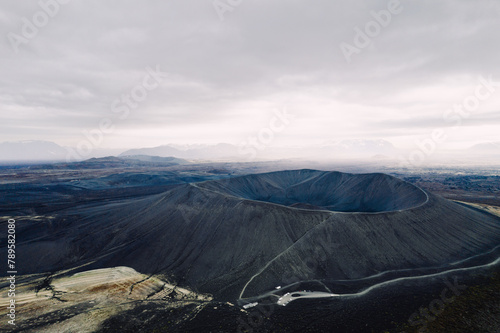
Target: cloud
228, 74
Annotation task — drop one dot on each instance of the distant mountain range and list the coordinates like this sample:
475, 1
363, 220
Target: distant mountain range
356, 148
116, 162
45, 151
345, 148
486, 148
31, 151
205, 152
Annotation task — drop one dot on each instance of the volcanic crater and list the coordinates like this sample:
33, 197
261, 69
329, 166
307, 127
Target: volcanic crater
334, 191
243, 236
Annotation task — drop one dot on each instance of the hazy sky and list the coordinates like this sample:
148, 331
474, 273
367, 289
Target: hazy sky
221, 79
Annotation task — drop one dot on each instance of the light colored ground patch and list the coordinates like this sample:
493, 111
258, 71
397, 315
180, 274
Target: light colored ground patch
81, 302
495, 210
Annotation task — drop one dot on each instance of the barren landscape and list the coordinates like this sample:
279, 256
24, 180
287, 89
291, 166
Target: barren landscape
190, 247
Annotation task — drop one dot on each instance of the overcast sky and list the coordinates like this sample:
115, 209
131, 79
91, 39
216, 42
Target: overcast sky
222, 79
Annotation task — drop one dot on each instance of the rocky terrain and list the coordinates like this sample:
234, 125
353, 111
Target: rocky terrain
80, 302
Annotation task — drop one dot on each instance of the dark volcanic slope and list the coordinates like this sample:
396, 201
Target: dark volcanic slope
220, 236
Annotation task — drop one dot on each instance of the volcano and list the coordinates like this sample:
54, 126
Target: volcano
243, 236
334, 191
